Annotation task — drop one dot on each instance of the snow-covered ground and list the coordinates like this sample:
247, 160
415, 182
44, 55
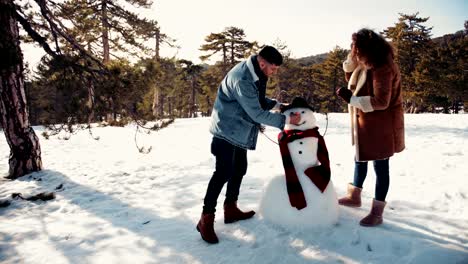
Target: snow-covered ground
120, 206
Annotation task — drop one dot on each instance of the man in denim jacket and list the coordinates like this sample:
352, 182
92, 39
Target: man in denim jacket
238, 112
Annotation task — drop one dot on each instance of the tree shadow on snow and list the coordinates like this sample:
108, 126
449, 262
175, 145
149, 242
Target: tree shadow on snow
173, 239
398, 240
8, 250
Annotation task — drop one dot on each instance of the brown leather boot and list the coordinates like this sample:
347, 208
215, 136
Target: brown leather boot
374, 218
233, 214
206, 228
353, 199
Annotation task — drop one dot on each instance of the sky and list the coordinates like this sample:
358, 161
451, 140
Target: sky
116, 205
307, 27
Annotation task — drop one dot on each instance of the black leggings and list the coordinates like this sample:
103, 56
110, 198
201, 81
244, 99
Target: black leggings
231, 166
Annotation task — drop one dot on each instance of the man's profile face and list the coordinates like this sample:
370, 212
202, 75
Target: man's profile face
268, 69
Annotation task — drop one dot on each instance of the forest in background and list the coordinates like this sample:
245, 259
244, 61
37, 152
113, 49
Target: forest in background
134, 81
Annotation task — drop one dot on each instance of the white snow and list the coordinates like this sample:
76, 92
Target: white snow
321, 211
120, 206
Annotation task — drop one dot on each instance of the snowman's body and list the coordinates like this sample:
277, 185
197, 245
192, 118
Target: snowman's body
322, 208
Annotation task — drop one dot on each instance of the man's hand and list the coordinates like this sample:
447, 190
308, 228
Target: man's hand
294, 118
344, 93
261, 128
282, 106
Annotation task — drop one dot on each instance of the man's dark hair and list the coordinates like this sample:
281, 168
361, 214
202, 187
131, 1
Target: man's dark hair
271, 55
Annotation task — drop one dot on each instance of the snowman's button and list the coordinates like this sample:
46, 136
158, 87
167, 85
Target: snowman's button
300, 152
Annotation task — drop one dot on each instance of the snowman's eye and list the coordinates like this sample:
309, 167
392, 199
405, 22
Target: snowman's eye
303, 112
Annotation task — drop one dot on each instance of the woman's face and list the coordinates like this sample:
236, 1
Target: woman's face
356, 54
360, 59
353, 48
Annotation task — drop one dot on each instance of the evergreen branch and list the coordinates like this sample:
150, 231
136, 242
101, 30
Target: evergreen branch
56, 54
53, 32
35, 35
54, 28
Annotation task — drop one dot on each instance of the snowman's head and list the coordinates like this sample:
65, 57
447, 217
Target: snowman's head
300, 106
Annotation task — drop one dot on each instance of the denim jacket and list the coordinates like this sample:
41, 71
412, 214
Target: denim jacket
237, 112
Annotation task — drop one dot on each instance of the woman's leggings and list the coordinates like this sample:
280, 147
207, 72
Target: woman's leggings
381, 168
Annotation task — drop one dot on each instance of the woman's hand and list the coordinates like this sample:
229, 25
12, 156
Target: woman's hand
344, 93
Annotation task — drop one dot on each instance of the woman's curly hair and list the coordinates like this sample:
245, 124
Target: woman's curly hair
372, 47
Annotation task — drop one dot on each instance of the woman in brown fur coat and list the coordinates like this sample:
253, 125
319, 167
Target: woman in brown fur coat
377, 120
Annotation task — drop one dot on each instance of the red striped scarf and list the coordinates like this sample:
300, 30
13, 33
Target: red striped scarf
319, 175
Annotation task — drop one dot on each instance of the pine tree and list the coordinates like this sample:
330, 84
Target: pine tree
150, 106
115, 32
107, 28
231, 44
280, 86
25, 154
160, 38
166, 81
190, 74
333, 77
216, 43
209, 83
411, 39
25, 150
238, 47
427, 75
452, 68
61, 90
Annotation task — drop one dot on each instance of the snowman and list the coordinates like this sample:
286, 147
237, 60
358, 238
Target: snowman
304, 196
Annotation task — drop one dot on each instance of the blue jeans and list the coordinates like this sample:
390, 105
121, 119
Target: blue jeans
381, 168
231, 166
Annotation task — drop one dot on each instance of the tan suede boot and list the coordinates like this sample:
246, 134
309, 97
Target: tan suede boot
206, 228
232, 213
374, 218
353, 199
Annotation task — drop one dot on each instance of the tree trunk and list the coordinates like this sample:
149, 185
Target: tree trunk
161, 105
105, 33
192, 106
91, 98
335, 84
91, 101
156, 97
25, 150
210, 106
169, 106
158, 103
225, 66
158, 42
456, 107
